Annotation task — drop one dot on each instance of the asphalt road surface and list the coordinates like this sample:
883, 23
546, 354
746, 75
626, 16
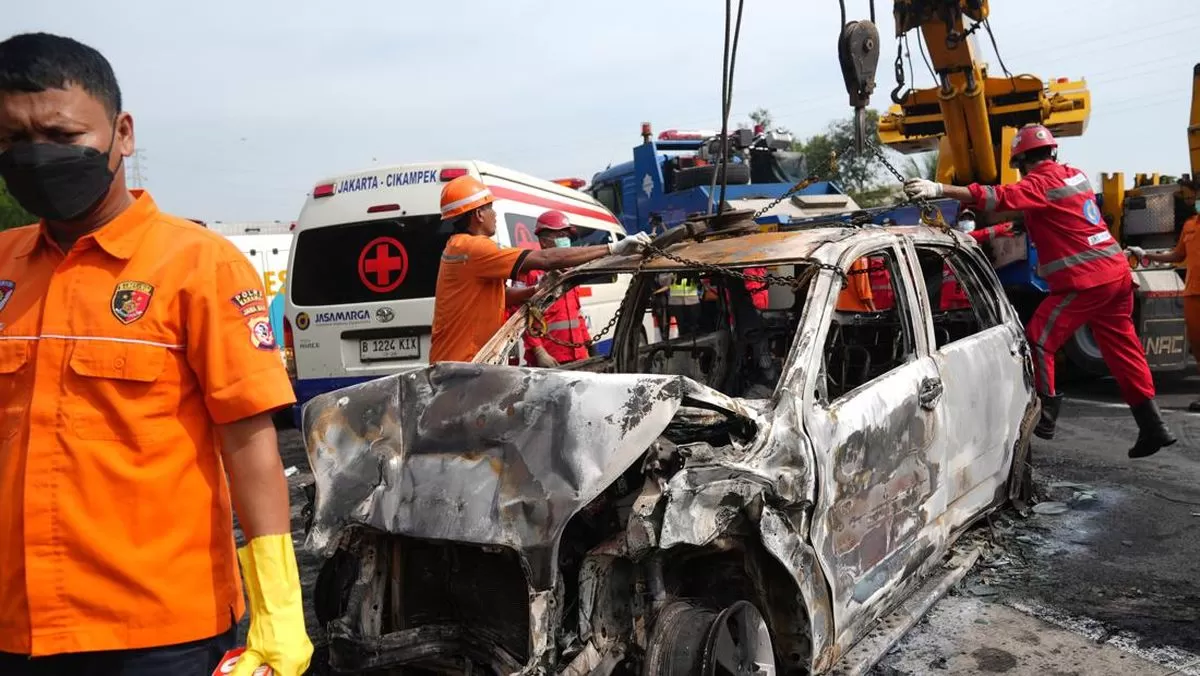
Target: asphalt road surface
1108, 585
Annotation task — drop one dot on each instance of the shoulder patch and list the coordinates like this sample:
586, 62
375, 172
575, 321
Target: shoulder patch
130, 300
262, 335
249, 302
7, 286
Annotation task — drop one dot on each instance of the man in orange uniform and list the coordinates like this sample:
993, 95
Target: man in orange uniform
564, 321
470, 296
137, 367
1187, 249
857, 295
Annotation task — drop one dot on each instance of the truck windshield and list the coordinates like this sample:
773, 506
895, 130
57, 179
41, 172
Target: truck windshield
392, 259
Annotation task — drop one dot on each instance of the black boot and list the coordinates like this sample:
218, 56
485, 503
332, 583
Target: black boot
1051, 403
1153, 432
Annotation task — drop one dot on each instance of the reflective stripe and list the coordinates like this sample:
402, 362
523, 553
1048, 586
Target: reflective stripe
466, 200
1066, 191
127, 341
1080, 258
454, 258
989, 198
563, 325
1043, 359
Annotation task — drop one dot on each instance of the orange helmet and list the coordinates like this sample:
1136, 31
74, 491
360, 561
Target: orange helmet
552, 220
464, 194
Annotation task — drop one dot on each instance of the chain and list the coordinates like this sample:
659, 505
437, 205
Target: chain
536, 324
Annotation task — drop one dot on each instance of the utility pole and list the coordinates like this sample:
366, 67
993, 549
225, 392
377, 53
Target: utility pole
136, 178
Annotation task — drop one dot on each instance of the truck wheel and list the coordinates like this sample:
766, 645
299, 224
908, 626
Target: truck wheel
738, 174
1083, 355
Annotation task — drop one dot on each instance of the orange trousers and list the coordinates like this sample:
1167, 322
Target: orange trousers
1191, 318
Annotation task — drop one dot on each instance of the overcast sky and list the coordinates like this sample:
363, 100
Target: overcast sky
240, 107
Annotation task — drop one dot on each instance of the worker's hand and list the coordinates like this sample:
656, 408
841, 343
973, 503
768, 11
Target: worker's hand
277, 636
1138, 253
920, 188
629, 245
543, 359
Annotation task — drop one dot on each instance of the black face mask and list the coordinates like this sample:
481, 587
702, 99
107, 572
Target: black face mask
56, 181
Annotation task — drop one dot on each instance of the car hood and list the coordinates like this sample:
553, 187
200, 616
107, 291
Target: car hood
491, 455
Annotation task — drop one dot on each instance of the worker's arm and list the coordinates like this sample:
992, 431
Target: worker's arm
1023, 195
257, 484
557, 259
518, 295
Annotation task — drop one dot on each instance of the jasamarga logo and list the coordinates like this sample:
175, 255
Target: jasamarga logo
342, 317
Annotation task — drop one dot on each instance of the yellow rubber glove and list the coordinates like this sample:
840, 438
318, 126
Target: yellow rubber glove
277, 635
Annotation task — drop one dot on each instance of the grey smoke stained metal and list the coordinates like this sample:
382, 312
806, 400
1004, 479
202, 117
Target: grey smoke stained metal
617, 490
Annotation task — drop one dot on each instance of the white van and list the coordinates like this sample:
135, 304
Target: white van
365, 261
267, 245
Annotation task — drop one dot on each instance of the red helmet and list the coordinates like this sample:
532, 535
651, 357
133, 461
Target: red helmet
1031, 136
552, 220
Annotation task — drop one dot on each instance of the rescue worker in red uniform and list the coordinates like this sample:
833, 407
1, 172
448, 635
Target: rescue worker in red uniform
563, 318
1089, 278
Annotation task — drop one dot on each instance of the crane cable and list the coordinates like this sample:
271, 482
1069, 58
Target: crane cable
729, 62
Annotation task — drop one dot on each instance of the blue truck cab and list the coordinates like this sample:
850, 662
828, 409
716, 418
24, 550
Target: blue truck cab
672, 177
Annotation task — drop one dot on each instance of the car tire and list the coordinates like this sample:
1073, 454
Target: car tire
1083, 356
691, 177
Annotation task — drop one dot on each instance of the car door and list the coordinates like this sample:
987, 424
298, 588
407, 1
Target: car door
879, 453
980, 357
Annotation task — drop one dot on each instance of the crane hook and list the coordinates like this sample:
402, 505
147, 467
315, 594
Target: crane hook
858, 55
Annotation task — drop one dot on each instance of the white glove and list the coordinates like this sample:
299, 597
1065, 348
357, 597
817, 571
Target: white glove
922, 188
1137, 252
629, 245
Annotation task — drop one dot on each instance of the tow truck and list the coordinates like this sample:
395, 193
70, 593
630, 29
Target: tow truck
971, 118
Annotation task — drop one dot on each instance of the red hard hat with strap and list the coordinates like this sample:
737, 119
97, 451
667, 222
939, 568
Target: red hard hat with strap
1032, 136
552, 220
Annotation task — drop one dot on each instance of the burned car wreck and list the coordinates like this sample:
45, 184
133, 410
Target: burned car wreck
751, 493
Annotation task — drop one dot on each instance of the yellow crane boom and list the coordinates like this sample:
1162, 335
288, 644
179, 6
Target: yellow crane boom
971, 117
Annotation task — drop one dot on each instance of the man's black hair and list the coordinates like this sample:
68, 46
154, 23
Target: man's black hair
1036, 155
35, 62
463, 222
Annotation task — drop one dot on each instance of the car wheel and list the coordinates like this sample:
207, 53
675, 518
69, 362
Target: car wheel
691, 177
689, 639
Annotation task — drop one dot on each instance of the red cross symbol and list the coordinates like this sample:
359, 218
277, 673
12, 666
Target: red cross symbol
523, 238
380, 260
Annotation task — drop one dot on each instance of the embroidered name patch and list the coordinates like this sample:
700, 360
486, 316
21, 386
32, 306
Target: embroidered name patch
130, 301
249, 302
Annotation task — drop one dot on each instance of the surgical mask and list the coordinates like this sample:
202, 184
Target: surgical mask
966, 225
562, 242
56, 181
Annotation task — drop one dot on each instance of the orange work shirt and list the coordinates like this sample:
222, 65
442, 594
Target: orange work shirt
854, 297
468, 303
1189, 246
117, 360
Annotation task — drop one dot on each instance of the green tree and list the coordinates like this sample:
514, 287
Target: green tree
921, 165
857, 174
11, 213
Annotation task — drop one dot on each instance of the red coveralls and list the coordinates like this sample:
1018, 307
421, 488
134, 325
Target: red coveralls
563, 321
1089, 278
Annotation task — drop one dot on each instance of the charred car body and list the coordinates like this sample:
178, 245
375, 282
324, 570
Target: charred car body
749, 497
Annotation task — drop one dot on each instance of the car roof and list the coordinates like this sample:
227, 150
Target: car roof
781, 246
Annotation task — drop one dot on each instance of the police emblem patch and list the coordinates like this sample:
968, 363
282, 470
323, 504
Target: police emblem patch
262, 335
7, 286
249, 302
130, 301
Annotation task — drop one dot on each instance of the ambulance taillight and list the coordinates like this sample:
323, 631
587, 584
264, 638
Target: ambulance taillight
451, 174
323, 190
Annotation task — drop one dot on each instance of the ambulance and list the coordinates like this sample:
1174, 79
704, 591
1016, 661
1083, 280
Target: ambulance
364, 265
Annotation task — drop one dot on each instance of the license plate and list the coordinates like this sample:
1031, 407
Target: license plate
383, 349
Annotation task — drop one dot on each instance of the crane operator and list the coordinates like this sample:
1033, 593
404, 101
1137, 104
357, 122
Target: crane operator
1090, 280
